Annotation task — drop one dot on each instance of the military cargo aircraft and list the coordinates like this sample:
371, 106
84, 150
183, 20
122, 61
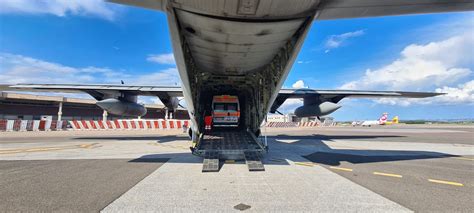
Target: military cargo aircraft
244, 48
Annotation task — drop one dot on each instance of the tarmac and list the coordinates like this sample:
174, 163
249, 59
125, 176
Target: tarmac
401, 168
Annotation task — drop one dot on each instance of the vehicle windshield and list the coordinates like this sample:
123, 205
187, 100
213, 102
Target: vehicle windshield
219, 107
232, 107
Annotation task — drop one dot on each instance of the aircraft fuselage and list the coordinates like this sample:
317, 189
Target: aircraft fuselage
246, 56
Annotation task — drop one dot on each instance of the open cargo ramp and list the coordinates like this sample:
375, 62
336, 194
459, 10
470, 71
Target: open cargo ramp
230, 144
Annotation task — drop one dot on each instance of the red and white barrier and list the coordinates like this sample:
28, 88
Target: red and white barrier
48, 125
10, 125
32, 125
282, 124
309, 124
128, 124
292, 124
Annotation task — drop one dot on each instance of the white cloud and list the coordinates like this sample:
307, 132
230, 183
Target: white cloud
290, 105
167, 58
168, 77
148, 100
433, 66
461, 94
422, 67
22, 69
335, 41
59, 7
464, 93
298, 84
304, 62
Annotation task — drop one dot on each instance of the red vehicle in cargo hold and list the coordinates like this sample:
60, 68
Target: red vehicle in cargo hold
225, 111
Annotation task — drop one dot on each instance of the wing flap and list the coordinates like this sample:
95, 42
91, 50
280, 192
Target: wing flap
149, 4
167, 94
172, 91
338, 9
334, 96
302, 93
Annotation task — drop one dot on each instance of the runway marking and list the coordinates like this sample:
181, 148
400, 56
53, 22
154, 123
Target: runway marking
341, 168
169, 146
387, 174
43, 149
277, 160
348, 147
9, 152
446, 182
86, 146
230, 161
305, 164
463, 158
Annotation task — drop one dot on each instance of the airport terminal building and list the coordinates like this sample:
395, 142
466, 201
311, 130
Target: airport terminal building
37, 107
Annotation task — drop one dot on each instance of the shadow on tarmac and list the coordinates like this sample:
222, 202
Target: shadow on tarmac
184, 157
371, 156
151, 159
325, 154
334, 157
158, 139
332, 137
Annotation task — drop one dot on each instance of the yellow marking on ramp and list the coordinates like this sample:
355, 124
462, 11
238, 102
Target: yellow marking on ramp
463, 158
387, 174
43, 149
445, 182
346, 147
86, 146
277, 160
341, 168
10, 152
230, 161
304, 164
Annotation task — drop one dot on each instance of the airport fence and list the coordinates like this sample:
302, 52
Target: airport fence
125, 124
32, 125
292, 124
51, 125
128, 124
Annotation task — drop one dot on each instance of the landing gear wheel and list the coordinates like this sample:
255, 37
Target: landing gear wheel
190, 133
257, 133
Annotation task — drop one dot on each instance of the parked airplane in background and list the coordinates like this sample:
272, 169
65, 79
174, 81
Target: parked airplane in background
245, 48
383, 120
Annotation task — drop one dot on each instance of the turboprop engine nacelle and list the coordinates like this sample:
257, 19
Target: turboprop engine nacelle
118, 107
321, 109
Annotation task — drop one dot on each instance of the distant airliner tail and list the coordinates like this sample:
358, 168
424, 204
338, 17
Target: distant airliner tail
395, 120
384, 120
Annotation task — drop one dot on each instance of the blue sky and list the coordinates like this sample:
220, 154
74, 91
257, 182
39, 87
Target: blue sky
96, 42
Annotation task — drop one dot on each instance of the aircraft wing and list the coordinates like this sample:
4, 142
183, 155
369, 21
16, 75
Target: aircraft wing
337, 9
335, 96
98, 91
103, 91
165, 93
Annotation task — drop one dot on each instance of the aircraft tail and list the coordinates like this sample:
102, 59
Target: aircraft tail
383, 119
395, 120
